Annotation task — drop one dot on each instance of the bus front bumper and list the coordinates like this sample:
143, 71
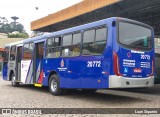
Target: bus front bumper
125, 82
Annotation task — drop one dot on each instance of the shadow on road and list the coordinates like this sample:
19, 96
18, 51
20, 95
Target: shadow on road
32, 88
155, 90
110, 98
104, 97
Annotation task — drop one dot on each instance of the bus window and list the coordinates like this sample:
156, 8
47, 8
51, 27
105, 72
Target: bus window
20, 53
89, 36
94, 41
12, 53
67, 41
76, 38
57, 42
28, 49
53, 47
40, 48
50, 42
6, 54
136, 37
31, 46
100, 41
101, 34
88, 42
76, 44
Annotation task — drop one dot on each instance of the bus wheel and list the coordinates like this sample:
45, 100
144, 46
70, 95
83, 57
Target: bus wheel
54, 85
13, 81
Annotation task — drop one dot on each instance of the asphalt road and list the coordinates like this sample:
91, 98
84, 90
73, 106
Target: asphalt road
28, 96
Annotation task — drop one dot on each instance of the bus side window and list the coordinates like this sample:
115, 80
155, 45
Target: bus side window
67, 41
12, 53
53, 49
100, 41
94, 41
88, 40
76, 44
40, 48
20, 53
50, 43
6, 54
28, 49
57, 49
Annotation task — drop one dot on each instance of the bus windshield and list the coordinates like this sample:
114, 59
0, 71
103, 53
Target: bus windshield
135, 36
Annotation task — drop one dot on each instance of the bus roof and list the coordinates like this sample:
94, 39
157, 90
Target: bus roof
14, 43
73, 29
78, 28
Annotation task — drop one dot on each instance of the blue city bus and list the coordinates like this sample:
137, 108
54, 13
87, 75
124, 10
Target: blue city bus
110, 53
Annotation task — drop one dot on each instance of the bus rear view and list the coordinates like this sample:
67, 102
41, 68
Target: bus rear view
133, 55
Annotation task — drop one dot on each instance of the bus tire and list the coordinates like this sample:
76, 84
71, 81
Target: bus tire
13, 81
54, 85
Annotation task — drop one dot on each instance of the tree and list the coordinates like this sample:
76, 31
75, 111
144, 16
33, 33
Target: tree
20, 28
6, 27
3, 20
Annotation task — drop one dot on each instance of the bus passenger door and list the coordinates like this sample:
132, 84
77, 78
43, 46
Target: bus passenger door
37, 63
18, 63
27, 63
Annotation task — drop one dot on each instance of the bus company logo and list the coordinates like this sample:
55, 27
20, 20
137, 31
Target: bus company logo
62, 63
62, 68
128, 54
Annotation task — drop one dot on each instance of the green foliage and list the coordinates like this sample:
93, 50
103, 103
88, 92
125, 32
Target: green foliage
6, 27
18, 35
19, 27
